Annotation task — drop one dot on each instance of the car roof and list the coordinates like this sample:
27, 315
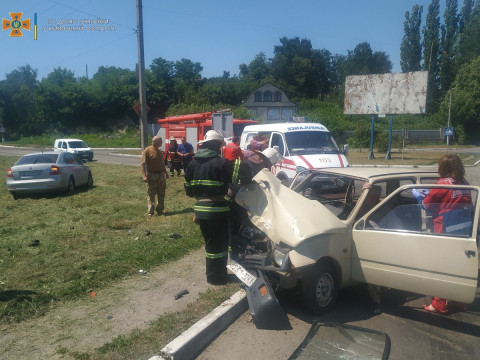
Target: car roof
51, 152
286, 127
378, 172
68, 140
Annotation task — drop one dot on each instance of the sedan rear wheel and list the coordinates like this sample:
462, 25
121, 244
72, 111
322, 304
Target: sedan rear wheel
320, 288
71, 186
90, 180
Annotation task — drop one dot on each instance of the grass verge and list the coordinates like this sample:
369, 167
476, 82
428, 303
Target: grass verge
410, 157
86, 240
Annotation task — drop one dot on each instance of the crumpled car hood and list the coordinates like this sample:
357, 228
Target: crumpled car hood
282, 214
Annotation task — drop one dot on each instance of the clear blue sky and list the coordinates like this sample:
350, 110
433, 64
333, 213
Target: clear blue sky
219, 34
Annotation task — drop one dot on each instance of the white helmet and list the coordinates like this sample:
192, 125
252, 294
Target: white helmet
273, 155
172, 138
213, 135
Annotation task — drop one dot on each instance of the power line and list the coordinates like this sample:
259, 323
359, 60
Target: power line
102, 46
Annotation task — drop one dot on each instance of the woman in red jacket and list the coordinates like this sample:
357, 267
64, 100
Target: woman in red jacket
450, 210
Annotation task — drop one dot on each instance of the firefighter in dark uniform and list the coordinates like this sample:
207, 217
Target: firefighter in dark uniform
207, 178
173, 158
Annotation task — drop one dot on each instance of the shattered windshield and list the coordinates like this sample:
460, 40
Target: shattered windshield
337, 193
310, 142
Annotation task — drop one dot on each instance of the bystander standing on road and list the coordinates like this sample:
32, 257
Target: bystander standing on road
185, 151
450, 210
154, 174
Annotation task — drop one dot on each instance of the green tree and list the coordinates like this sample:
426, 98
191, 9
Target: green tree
411, 48
465, 14
431, 55
112, 93
469, 44
325, 112
325, 74
160, 86
449, 38
187, 80
258, 69
362, 60
18, 94
61, 100
465, 108
292, 67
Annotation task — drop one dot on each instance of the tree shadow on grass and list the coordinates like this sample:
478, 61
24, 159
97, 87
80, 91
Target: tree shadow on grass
16, 295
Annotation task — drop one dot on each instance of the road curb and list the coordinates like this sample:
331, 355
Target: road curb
192, 341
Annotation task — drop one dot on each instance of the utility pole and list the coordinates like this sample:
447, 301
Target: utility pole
449, 113
141, 79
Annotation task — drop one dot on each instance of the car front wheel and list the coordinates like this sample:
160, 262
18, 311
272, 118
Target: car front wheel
320, 288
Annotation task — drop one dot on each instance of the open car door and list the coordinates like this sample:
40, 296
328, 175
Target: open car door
394, 245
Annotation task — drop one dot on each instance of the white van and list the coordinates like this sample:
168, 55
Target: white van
303, 146
74, 146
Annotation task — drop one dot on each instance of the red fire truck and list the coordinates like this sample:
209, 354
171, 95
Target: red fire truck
195, 126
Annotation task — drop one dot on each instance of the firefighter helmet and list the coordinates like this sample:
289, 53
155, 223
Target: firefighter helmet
213, 135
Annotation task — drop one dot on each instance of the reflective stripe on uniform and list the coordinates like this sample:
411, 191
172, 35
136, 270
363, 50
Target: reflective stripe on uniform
211, 209
204, 183
216, 256
236, 169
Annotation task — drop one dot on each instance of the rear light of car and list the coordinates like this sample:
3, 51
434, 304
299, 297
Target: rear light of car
55, 170
9, 173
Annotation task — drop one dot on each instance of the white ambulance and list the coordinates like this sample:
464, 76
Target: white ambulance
302, 145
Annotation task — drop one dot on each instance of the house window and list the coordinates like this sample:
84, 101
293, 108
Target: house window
277, 96
273, 114
267, 96
287, 113
258, 96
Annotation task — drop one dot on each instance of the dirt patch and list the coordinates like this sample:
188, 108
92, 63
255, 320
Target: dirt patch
91, 322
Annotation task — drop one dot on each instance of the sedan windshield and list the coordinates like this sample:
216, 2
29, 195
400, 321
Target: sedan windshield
310, 142
77, 144
38, 159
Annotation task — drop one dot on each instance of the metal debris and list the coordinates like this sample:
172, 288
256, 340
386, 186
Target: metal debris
180, 294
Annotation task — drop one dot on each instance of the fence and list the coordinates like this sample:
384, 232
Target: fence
410, 137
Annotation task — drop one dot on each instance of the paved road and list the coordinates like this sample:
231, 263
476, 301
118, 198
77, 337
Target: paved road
109, 156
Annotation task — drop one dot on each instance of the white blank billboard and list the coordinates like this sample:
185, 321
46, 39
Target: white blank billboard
398, 93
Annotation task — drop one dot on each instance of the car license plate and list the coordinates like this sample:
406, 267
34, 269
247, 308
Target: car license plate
31, 173
247, 278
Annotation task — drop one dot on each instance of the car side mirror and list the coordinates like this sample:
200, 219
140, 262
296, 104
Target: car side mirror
345, 149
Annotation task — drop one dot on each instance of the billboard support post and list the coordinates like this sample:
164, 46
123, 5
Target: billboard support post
371, 156
389, 149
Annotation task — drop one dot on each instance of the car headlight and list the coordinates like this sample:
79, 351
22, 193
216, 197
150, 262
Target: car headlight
300, 168
279, 257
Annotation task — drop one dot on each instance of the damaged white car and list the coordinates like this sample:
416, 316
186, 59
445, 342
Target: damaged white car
330, 230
